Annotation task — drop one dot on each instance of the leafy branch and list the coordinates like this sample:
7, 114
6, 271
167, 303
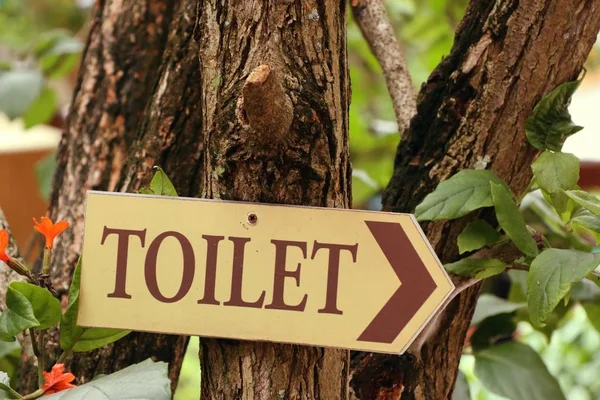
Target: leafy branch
504, 241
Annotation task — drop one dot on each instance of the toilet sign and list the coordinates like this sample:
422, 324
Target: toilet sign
313, 276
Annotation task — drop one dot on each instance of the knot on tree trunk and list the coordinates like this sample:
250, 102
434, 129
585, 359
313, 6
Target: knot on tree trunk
265, 106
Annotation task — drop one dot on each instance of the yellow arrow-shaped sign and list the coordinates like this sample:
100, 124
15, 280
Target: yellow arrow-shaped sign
315, 276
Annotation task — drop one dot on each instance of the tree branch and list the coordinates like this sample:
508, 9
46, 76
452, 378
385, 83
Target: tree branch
374, 23
265, 105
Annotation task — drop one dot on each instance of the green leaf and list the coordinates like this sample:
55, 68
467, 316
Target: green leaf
5, 383
19, 89
147, 380
44, 173
492, 331
46, 308
461, 389
464, 192
477, 235
593, 313
42, 110
58, 52
476, 268
551, 276
80, 339
585, 200
489, 305
61, 60
515, 371
17, 317
554, 172
10, 357
563, 205
161, 184
550, 122
586, 219
146, 191
511, 220
46, 40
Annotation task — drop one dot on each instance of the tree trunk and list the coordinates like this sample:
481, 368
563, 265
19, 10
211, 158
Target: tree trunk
275, 129
506, 56
235, 100
126, 55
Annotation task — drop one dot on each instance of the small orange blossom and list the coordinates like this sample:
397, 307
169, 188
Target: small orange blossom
3, 243
49, 229
57, 380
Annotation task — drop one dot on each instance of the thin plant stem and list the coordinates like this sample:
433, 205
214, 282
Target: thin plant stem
38, 355
64, 355
35, 395
13, 392
41, 358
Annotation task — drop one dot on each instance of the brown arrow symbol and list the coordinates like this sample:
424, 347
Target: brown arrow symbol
417, 283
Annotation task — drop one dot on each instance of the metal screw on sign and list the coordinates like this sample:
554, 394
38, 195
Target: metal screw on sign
252, 218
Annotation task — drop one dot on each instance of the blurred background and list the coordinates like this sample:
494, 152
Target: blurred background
40, 47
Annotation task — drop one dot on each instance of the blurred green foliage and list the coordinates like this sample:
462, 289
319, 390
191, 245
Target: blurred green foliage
22, 21
426, 31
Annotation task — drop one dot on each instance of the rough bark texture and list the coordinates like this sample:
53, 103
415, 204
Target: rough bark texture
166, 83
125, 56
506, 56
254, 159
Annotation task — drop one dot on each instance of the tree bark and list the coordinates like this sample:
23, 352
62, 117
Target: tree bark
235, 100
126, 53
275, 125
506, 56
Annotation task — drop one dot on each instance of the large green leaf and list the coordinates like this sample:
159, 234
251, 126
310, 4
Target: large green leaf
161, 184
550, 124
476, 268
10, 357
19, 89
554, 172
464, 192
593, 313
5, 383
477, 235
563, 205
42, 109
17, 317
489, 305
551, 276
492, 330
80, 339
147, 380
586, 219
461, 389
511, 220
585, 200
517, 372
46, 308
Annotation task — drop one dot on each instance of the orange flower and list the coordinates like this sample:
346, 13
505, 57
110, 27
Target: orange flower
49, 229
3, 243
57, 380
